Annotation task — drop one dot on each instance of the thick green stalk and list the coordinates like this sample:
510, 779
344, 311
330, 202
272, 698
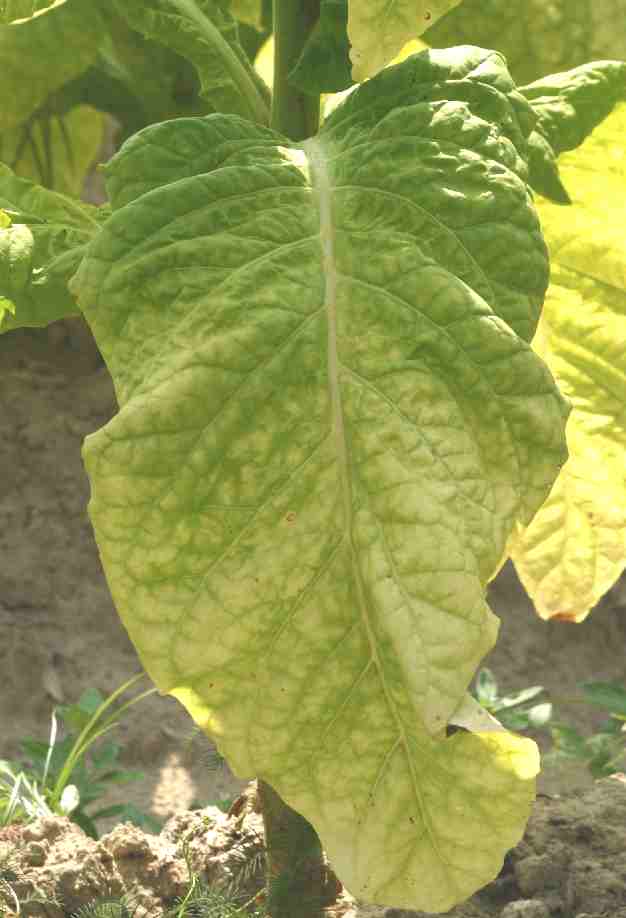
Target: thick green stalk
294, 113
300, 882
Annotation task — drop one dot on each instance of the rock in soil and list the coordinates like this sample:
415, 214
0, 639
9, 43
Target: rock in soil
571, 862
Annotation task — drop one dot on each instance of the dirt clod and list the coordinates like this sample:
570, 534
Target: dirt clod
556, 870
526, 908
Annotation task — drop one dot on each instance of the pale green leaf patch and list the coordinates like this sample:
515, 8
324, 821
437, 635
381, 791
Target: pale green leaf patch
330, 421
535, 37
379, 28
56, 151
41, 53
250, 11
41, 249
16, 257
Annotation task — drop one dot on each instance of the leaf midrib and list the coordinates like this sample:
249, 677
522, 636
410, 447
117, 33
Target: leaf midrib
321, 184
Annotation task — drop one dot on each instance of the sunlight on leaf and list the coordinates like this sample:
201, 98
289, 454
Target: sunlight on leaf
264, 62
378, 29
575, 548
33, 63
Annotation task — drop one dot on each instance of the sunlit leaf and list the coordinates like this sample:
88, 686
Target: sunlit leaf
575, 548
330, 417
378, 29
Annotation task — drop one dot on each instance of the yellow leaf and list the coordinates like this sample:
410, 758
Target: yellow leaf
575, 548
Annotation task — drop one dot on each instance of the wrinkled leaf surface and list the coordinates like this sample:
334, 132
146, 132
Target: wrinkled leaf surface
330, 420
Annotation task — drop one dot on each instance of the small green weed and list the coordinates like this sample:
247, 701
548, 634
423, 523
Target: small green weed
108, 907
513, 711
41, 786
9, 873
603, 752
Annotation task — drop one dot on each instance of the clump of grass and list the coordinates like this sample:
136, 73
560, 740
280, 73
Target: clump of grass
9, 873
66, 777
603, 752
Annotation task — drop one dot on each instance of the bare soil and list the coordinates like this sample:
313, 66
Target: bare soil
570, 864
60, 634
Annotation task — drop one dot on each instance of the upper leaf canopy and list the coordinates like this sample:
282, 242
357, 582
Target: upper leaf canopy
568, 107
378, 29
206, 34
536, 38
43, 52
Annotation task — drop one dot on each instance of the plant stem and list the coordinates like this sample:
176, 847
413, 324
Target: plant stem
300, 883
294, 113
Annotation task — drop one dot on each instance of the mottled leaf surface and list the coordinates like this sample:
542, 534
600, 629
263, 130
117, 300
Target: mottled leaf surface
330, 420
575, 548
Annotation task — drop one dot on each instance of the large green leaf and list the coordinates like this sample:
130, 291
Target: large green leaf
575, 548
38, 55
379, 28
536, 37
51, 232
330, 419
204, 32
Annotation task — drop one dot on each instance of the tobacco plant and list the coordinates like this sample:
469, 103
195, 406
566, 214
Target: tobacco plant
340, 405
